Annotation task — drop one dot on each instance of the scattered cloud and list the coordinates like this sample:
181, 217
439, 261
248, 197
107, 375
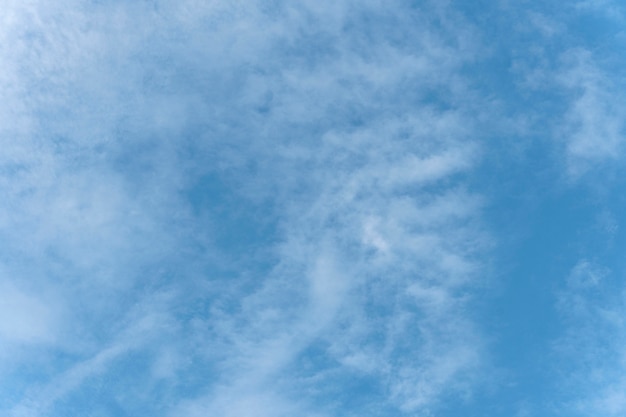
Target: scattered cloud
147, 137
273, 209
590, 352
593, 130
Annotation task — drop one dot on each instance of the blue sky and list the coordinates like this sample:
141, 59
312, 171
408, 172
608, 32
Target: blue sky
312, 208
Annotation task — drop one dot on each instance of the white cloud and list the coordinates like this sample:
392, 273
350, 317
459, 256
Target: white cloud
121, 109
585, 274
591, 350
593, 129
610, 8
365, 305
25, 317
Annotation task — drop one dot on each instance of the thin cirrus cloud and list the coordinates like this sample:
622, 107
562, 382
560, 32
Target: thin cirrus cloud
126, 121
276, 209
592, 306
593, 124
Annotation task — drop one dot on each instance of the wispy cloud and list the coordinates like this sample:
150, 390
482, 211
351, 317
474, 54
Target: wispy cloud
591, 351
566, 90
143, 139
593, 129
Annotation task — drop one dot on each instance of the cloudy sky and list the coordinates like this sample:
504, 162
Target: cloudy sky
312, 208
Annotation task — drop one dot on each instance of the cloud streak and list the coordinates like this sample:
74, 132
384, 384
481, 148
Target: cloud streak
236, 210
593, 125
591, 351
